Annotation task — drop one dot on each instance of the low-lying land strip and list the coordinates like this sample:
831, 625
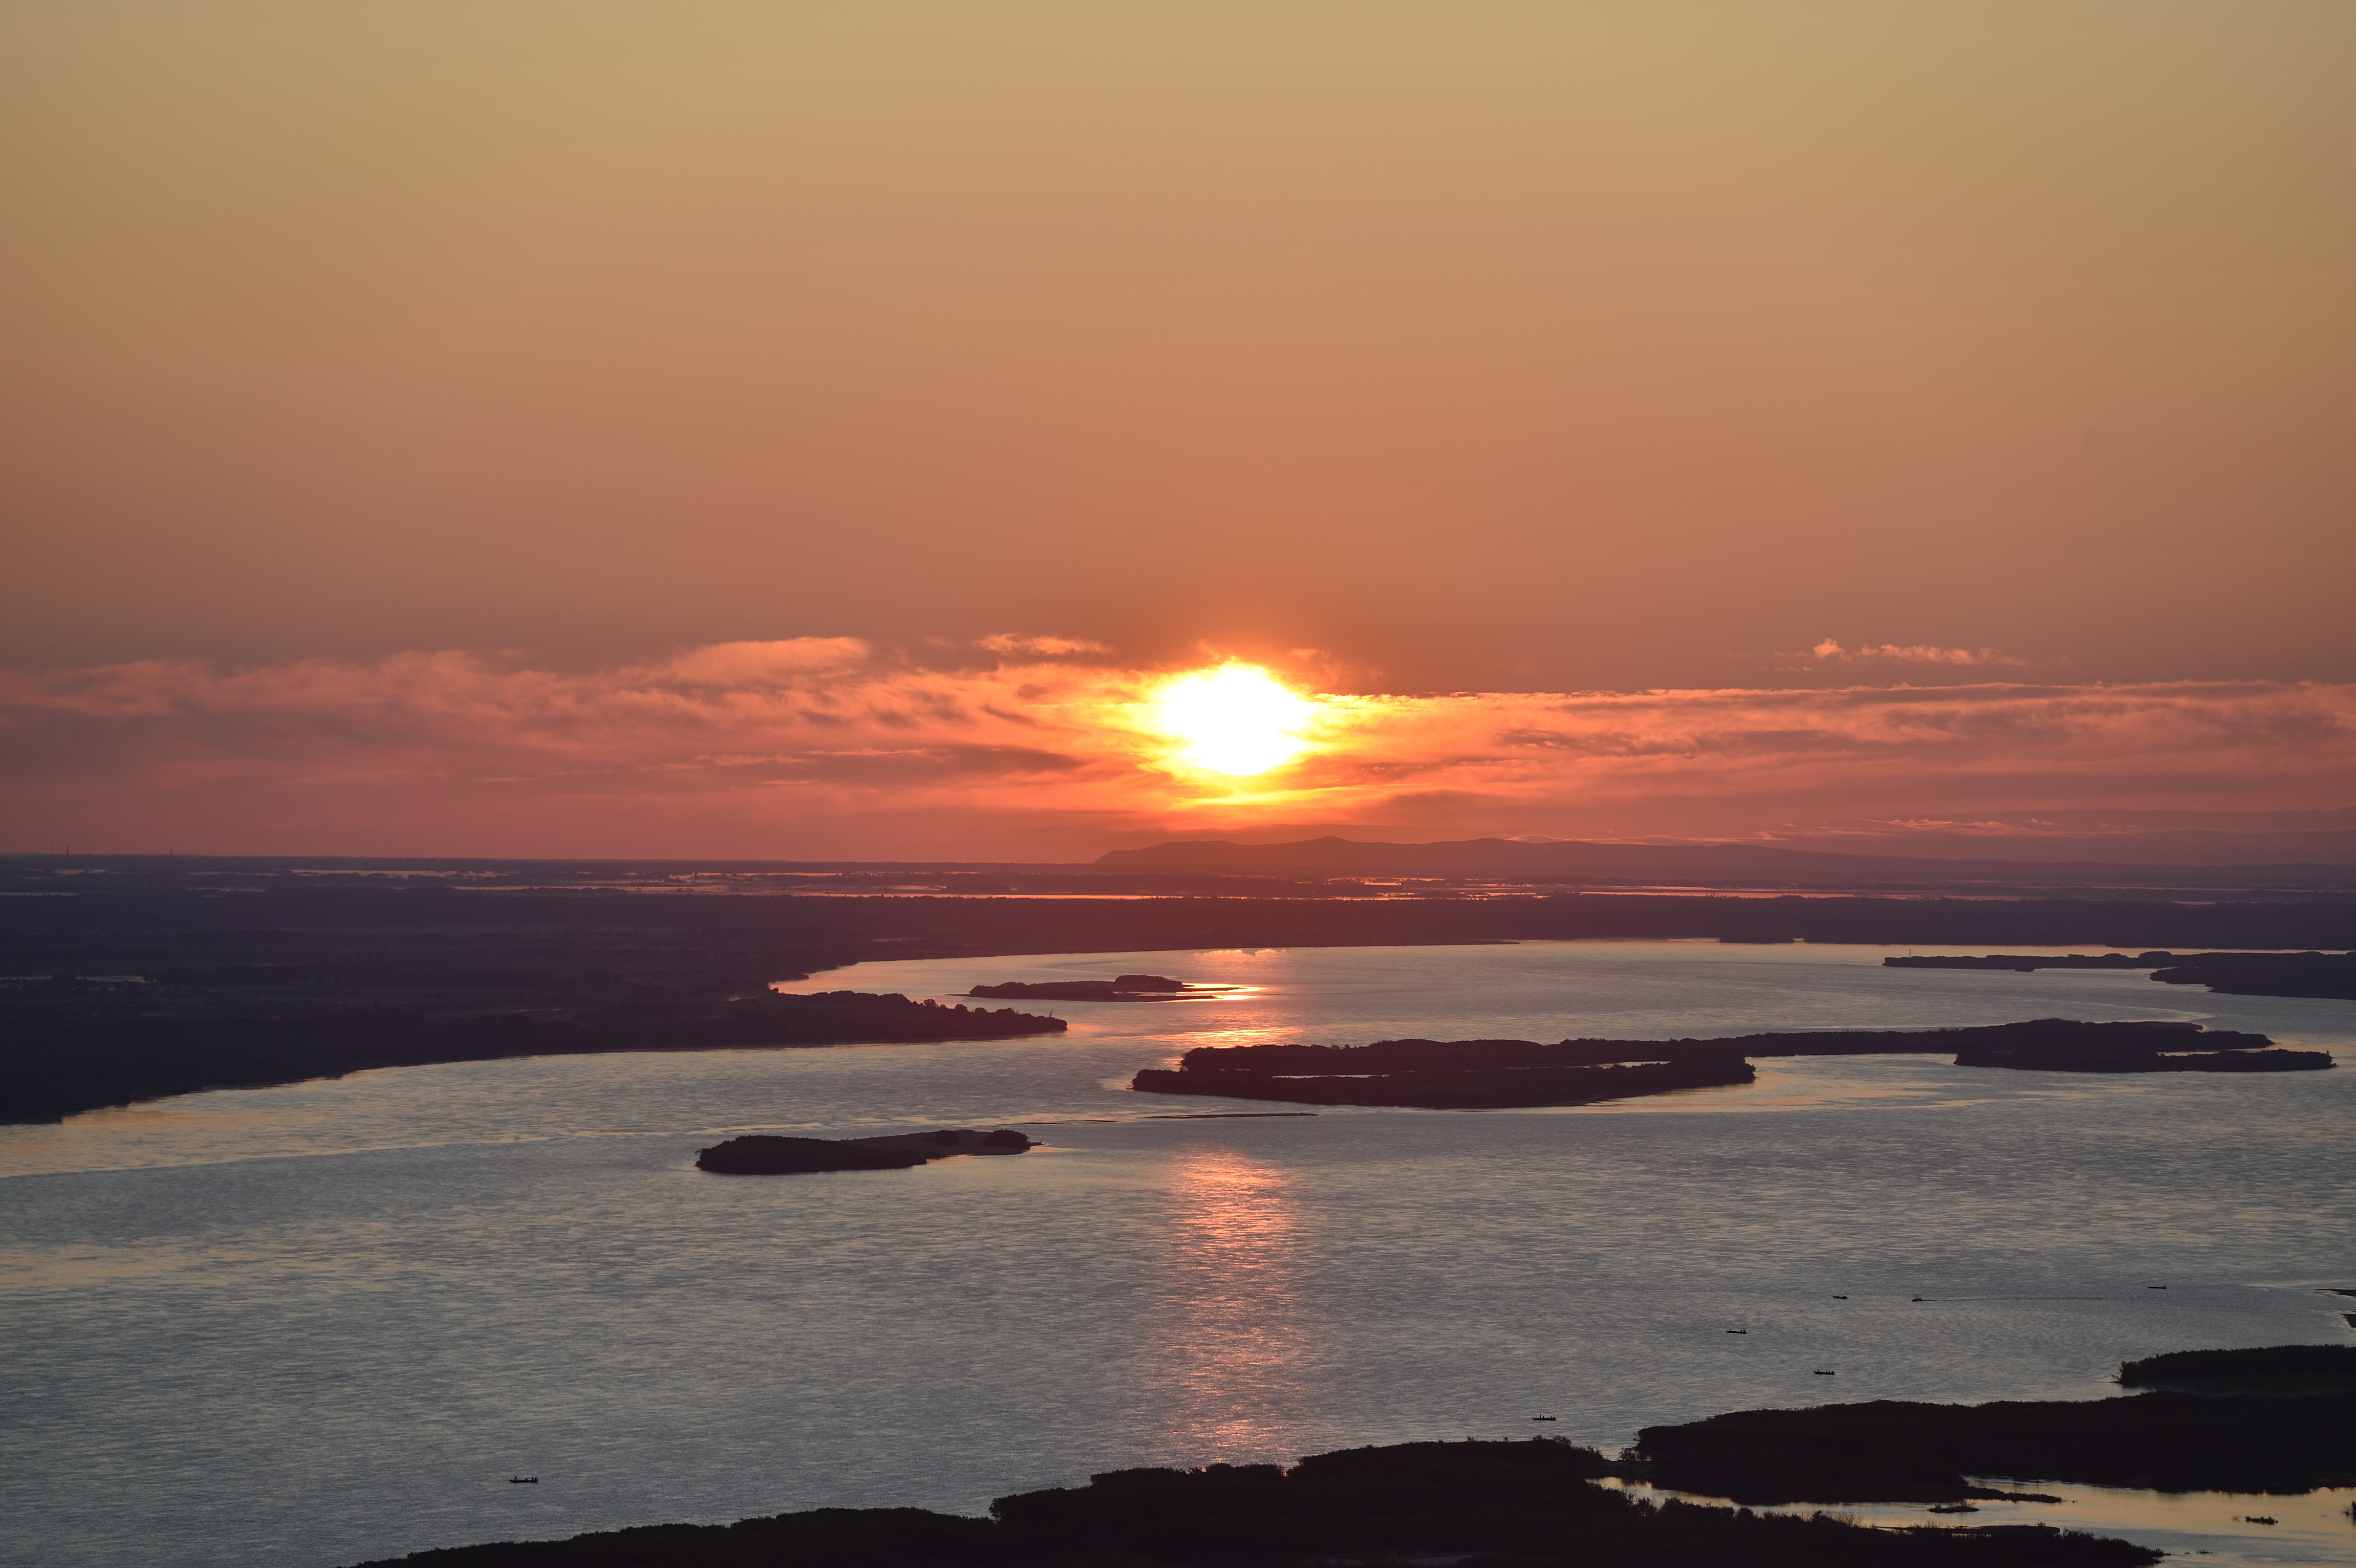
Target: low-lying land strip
2280, 1369
2321, 975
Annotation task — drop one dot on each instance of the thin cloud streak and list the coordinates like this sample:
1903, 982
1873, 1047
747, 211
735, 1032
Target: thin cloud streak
818, 748
1830, 652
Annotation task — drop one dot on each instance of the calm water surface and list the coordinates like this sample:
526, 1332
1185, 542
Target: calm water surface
323, 1323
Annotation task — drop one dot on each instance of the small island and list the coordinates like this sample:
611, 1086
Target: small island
1120, 988
766, 1154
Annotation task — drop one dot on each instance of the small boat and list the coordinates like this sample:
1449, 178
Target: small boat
523, 1480
1541, 1418
2155, 1287
1827, 1372
1840, 1299
1738, 1331
1918, 1298
1953, 1508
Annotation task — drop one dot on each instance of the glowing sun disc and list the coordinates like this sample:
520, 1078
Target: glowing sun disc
1235, 719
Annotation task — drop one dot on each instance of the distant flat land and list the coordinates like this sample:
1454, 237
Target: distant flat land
1749, 866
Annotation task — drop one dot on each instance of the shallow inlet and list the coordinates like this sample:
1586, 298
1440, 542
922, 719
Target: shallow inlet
2217, 1527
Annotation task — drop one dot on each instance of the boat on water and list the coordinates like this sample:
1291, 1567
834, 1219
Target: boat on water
523, 1480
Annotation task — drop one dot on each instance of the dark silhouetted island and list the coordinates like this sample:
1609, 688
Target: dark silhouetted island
2328, 975
764, 1154
1487, 1502
1500, 1074
1120, 989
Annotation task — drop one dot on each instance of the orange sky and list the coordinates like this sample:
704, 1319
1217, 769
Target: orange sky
1511, 348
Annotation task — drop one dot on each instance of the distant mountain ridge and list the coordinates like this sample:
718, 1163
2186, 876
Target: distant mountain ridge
1574, 860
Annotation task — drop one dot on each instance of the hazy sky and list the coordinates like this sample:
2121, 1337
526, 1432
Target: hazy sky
1476, 348
1523, 346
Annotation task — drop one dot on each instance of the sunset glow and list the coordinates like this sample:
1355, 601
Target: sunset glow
826, 747
1234, 719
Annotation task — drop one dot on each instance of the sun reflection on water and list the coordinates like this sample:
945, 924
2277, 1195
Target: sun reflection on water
1238, 1325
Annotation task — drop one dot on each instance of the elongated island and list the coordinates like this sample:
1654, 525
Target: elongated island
1502, 1074
2321, 975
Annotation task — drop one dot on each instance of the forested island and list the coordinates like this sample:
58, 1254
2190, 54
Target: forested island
1497, 1075
2330, 976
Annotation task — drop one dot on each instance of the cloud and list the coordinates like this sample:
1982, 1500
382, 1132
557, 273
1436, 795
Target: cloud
1829, 651
835, 748
1008, 643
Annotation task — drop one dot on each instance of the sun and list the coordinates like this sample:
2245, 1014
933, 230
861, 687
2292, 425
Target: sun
1234, 719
